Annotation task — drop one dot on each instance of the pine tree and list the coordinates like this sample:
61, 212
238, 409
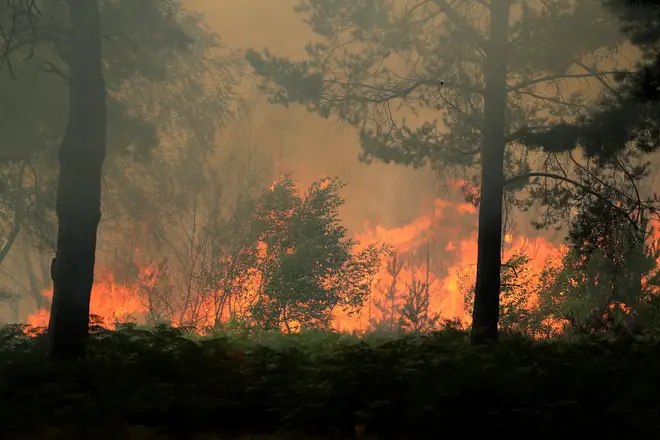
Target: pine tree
79, 190
389, 306
492, 72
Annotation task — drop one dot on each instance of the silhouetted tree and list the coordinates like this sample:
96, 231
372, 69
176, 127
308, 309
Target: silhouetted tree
79, 190
626, 122
157, 59
610, 253
492, 68
415, 310
639, 20
17, 25
389, 306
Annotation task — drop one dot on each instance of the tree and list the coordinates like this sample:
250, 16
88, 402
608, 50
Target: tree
17, 24
610, 268
640, 88
416, 315
610, 252
79, 190
389, 306
266, 258
515, 295
198, 270
622, 130
307, 265
210, 270
404, 301
496, 70
158, 58
149, 79
600, 231
148, 50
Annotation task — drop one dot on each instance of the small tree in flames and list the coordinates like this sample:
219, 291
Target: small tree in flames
278, 260
307, 264
406, 300
389, 305
609, 273
416, 314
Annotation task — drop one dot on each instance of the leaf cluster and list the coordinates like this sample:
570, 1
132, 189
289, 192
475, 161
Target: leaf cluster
308, 265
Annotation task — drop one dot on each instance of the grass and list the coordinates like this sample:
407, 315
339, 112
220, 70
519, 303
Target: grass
139, 383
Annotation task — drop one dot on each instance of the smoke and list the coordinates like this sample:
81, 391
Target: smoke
382, 200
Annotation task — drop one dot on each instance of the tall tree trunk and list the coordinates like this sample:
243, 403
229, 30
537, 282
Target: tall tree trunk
79, 192
487, 289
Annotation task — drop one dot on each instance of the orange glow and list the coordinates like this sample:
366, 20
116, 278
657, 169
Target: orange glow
447, 233
111, 301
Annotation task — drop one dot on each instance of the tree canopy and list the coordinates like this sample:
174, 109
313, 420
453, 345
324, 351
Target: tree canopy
378, 59
464, 87
159, 59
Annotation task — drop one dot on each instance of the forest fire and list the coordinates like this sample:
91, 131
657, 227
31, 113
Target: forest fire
437, 250
267, 215
111, 301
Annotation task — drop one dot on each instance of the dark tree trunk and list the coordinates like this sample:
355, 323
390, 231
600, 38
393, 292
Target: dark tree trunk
79, 192
487, 289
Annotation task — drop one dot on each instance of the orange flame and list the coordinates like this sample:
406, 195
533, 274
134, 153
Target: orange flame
441, 228
111, 301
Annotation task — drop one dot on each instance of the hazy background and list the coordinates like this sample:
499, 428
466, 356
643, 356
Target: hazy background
379, 198
390, 195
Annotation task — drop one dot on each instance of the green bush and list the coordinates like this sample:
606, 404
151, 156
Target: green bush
329, 383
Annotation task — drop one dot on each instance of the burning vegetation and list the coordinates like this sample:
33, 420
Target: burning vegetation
287, 264
192, 246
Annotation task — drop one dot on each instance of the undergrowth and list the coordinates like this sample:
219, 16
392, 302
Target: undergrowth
331, 385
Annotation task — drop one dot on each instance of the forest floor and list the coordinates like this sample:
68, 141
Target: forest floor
153, 384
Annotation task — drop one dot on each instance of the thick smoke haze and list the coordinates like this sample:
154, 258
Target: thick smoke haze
383, 201
312, 147
306, 219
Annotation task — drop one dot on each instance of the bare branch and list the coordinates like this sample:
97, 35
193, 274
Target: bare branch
585, 188
534, 81
17, 18
598, 75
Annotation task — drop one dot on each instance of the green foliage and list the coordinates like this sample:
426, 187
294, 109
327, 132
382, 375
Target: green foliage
606, 281
416, 316
627, 118
280, 260
329, 385
377, 58
308, 267
379, 61
516, 313
608, 274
